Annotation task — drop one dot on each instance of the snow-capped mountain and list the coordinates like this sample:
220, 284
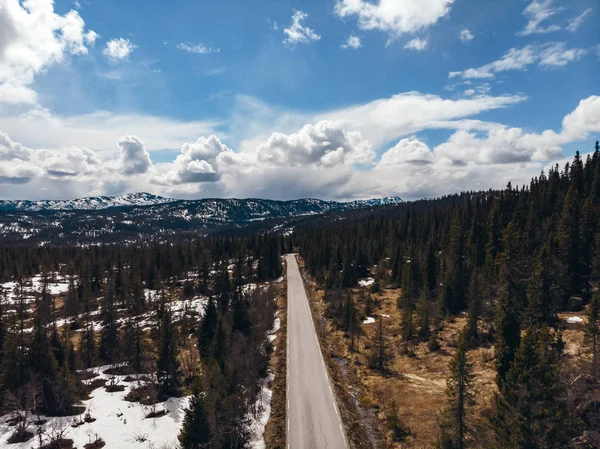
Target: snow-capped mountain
146, 216
88, 203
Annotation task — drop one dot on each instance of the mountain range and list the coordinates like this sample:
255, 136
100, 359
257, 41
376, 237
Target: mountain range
143, 215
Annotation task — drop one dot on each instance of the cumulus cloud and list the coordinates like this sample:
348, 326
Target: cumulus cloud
466, 35
417, 44
552, 54
353, 42
197, 163
331, 158
408, 151
118, 49
200, 49
10, 150
392, 16
326, 144
297, 33
32, 38
21, 164
135, 159
537, 12
70, 162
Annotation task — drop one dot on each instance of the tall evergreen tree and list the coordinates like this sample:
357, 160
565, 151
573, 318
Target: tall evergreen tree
511, 301
208, 327
109, 337
460, 396
531, 408
167, 365
592, 334
196, 432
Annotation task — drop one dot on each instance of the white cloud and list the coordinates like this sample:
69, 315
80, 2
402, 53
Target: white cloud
135, 159
118, 49
32, 38
297, 33
100, 130
326, 144
559, 55
392, 16
466, 35
576, 22
539, 11
197, 48
332, 158
417, 44
383, 120
408, 151
197, 163
353, 42
551, 54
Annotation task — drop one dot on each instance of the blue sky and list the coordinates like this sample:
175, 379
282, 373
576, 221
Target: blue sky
338, 99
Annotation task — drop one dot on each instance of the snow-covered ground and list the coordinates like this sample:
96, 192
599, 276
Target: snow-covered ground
369, 320
574, 320
263, 402
119, 423
57, 286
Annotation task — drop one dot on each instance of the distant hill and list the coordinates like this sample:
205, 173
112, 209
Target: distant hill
142, 215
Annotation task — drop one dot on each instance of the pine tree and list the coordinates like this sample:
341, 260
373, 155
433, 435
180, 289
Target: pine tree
196, 432
350, 321
570, 277
239, 309
511, 301
460, 396
109, 338
167, 365
208, 327
407, 299
88, 347
424, 309
453, 291
379, 355
474, 311
542, 306
531, 408
592, 334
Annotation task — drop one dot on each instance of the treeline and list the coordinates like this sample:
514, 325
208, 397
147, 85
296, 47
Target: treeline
122, 308
512, 260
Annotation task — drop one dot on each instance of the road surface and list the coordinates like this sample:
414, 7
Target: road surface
313, 420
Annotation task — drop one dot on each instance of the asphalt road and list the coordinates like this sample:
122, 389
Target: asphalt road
313, 420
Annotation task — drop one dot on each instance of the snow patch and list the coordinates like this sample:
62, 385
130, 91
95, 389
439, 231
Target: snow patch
119, 423
366, 282
574, 320
369, 320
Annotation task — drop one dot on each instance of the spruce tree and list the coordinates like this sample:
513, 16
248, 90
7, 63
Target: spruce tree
460, 396
196, 431
474, 311
109, 337
208, 327
167, 365
350, 321
542, 304
511, 301
531, 407
592, 334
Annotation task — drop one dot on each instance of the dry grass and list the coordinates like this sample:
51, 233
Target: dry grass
415, 384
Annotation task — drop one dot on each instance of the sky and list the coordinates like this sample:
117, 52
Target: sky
285, 99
